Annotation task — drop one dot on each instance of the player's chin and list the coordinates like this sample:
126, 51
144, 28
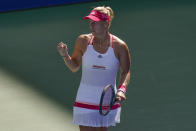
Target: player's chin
97, 33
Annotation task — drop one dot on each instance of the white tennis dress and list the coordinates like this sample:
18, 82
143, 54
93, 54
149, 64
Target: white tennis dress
98, 70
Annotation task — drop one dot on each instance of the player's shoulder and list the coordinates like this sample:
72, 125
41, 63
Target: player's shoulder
82, 41
119, 43
85, 37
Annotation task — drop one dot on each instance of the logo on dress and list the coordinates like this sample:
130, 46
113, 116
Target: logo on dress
100, 56
99, 67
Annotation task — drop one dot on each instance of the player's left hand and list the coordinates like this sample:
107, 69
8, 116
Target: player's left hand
120, 96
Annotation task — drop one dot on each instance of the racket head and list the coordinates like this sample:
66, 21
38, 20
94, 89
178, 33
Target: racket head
107, 100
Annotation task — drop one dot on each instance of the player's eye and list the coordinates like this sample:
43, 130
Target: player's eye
94, 22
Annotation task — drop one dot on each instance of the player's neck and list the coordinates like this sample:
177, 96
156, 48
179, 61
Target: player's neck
102, 39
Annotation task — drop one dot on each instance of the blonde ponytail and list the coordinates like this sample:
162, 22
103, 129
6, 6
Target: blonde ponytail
111, 12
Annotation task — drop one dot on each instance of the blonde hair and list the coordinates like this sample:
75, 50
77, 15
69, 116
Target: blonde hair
106, 10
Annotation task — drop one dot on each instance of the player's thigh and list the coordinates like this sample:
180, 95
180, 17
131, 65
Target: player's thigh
102, 129
87, 128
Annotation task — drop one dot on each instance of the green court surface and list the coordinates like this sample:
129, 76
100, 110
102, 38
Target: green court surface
161, 36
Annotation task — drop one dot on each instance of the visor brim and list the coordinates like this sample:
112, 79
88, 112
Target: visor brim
94, 18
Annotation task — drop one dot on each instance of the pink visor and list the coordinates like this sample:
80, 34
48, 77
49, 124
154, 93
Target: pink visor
97, 16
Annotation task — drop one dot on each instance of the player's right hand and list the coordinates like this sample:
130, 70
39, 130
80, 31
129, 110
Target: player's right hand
120, 96
62, 49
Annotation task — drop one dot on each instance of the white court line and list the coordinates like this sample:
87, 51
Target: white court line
23, 109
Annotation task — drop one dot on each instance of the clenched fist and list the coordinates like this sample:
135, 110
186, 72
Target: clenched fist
62, 49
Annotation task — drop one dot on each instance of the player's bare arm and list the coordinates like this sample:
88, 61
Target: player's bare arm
125, 61
74, 62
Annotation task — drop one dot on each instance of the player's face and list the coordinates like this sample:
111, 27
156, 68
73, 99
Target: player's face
98, 28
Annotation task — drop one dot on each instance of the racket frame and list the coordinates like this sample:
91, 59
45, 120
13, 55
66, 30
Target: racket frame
112, 101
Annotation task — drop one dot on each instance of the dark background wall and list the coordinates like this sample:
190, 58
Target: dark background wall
12, 5
161, 37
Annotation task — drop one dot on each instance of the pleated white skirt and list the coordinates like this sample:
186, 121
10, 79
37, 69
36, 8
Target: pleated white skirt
92, 118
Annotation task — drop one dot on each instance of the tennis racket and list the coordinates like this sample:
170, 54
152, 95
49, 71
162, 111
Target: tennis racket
108, 99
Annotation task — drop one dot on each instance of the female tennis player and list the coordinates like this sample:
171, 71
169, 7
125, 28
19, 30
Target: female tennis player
100, 53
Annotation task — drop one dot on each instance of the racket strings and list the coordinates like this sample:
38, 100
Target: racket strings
107, 99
